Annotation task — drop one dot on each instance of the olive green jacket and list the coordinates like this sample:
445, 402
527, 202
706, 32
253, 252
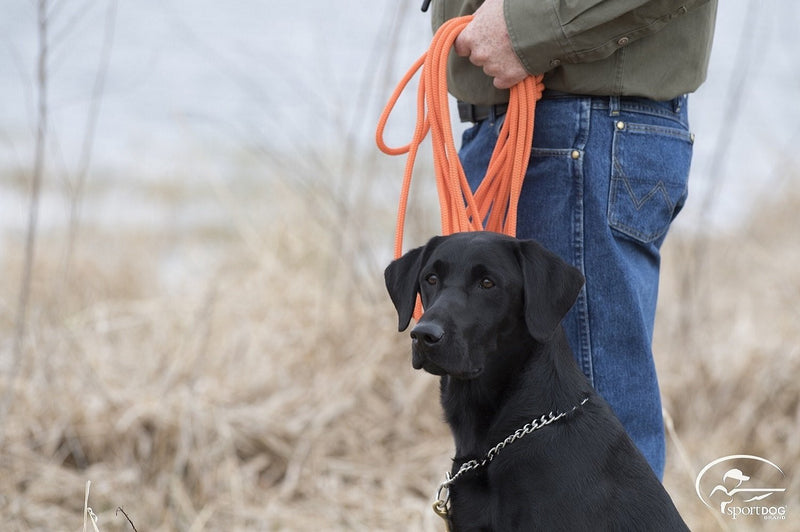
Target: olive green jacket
657, 49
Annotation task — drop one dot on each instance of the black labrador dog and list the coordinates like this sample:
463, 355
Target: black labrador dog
542, 450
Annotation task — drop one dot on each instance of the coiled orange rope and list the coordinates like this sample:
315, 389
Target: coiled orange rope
493, 206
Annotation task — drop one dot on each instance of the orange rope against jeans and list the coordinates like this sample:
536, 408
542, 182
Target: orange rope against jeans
495, 201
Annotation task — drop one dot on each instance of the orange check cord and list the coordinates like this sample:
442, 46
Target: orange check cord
493, 206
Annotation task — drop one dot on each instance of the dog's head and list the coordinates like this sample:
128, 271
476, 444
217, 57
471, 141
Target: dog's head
478, 288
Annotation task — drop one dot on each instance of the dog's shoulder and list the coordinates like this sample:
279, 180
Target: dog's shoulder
568, 476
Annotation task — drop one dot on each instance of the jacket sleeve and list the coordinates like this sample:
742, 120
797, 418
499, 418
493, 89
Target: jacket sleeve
548, 33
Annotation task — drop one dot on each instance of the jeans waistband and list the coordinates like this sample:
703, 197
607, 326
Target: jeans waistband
468, 112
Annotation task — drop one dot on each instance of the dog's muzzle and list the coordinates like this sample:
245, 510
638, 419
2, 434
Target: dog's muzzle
426, 335
425, 338
437, 354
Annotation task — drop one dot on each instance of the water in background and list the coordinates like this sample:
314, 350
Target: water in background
192, 87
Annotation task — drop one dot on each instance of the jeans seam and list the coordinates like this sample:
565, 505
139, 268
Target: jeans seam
582, 303
645, 110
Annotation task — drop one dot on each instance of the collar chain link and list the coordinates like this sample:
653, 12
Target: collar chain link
442, 504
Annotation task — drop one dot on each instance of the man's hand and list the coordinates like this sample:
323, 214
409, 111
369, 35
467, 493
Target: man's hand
486, 43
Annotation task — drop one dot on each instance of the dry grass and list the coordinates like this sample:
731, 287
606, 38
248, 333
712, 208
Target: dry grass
263, 386
728, 351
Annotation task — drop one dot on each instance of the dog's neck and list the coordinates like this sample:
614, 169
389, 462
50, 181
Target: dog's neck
502, 401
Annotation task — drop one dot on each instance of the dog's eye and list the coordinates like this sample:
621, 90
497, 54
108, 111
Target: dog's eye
432, 279
487, 283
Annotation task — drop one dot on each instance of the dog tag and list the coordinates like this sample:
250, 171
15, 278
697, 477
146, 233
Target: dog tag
442, 500
440, 508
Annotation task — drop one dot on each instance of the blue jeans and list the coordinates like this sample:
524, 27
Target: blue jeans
606, 178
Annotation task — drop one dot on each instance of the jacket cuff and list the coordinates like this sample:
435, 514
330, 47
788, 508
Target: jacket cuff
542, 42
535, 32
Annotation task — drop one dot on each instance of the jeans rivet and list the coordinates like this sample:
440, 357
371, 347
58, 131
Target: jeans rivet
620, 125
575, 154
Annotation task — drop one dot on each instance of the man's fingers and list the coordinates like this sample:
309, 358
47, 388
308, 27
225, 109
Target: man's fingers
504, 76
503, 83
510, 78
485, 42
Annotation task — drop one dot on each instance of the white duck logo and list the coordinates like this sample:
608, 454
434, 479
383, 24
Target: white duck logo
735, 485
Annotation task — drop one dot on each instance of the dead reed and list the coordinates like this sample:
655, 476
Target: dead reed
262, 386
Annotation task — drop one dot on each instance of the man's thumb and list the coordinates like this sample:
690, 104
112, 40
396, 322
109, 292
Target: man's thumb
461, 47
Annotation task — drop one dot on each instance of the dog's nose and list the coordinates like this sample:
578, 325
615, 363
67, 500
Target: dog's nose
427, 333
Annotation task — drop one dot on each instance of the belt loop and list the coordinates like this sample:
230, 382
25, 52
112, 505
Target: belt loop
466, 111
492, 114
613, 106
677, 103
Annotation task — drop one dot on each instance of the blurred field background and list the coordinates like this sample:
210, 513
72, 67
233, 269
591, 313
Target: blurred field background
192, 235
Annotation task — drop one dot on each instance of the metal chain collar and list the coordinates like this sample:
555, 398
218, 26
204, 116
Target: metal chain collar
441, 506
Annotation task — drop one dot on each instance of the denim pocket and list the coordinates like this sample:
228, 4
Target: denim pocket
650, 169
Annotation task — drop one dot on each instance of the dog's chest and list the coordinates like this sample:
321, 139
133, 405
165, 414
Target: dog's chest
470, 415
470, 502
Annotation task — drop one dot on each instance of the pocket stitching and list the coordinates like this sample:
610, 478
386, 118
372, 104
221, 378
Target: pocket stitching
648, 129
614, 219
620, 179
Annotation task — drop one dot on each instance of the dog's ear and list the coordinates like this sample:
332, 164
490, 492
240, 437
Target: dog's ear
551, 288
402, 280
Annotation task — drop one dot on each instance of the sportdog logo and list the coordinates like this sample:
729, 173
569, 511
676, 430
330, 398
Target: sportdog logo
726, 485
